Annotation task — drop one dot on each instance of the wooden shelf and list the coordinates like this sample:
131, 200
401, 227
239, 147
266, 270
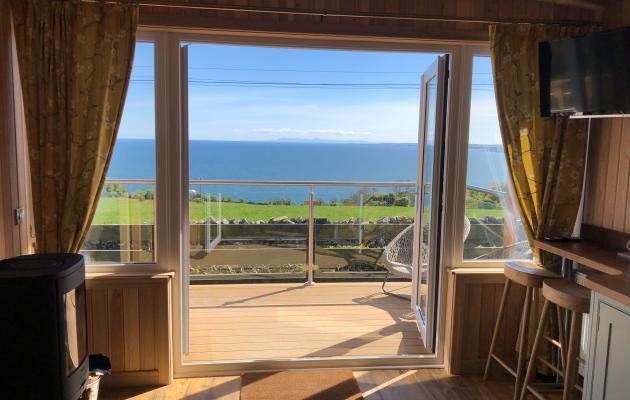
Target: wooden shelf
589, 254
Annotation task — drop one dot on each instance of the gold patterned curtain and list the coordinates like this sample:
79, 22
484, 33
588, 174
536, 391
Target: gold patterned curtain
75, 62
545, 156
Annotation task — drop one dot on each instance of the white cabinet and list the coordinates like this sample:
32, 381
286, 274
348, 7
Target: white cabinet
608, 370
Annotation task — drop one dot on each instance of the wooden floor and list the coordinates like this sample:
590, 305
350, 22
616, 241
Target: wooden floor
262, 321
375, 385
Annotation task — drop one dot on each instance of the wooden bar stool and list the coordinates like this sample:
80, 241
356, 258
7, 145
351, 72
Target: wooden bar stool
572, 297
532, 277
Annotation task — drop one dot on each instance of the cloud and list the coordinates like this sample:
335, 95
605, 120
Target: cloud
311, 132
370, 119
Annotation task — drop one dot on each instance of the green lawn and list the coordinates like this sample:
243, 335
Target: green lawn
131, 211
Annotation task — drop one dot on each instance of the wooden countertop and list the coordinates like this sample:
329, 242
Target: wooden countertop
588, 254
614, 287
615, 284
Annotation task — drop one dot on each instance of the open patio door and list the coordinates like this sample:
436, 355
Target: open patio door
428, 216
185, 256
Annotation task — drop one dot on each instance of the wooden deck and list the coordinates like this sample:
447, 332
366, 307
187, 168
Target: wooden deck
263, 321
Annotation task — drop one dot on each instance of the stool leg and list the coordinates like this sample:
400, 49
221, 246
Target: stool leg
522, 347
561, 337
536, 294
497, 326
532, 360
574, 349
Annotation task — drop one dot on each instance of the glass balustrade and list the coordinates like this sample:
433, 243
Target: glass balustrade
352, 230
247, 232
123, 228
256, 231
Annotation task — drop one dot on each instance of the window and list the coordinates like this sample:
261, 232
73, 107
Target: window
496, 231
123, 229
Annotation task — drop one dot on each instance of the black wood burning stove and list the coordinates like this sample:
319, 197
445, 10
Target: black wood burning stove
43, 327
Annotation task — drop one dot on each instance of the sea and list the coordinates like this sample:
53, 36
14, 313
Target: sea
298, 161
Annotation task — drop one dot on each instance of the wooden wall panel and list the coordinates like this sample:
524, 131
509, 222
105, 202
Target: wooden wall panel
128, 320
9, 232
146, 321
14, 172
131, 321
531, 10
475, 296
607, 195
607, 202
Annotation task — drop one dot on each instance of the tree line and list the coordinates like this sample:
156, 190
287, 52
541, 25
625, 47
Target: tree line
368, 197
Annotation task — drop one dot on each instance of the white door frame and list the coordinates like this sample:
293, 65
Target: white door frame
178, 213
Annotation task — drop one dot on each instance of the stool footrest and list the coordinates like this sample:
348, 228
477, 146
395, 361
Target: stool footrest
553, 341
546, 386
503, 364
551, 366
536, 389
534, 393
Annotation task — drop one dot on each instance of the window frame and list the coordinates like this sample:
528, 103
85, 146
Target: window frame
461, 165
161, 220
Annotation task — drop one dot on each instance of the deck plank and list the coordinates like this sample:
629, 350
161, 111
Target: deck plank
261, 321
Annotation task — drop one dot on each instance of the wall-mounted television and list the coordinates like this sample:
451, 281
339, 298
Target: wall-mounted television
587, 75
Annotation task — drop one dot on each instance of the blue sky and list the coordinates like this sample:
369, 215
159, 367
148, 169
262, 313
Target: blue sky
266, 93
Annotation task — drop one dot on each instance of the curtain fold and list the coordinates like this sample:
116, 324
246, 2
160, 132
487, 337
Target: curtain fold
545, 156
75, 63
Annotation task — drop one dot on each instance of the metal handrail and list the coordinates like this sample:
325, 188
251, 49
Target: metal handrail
497, 193
265, 183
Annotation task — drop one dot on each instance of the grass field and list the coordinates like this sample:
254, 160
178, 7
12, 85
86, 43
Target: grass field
131, 211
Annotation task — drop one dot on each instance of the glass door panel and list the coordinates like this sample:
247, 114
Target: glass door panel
427, 200
428, 205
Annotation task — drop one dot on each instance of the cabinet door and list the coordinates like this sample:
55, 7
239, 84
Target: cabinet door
611, 355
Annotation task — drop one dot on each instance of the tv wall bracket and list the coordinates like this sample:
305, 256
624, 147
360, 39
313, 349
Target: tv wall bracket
588, 116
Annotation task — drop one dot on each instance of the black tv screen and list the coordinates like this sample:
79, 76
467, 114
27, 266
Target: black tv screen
586, 75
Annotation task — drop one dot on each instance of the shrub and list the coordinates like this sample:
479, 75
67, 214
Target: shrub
402, 202
138, 195
355, 198
280, 202
115, 190
482, 200
198, 197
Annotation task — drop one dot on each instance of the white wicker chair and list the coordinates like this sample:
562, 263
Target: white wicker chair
398, 255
